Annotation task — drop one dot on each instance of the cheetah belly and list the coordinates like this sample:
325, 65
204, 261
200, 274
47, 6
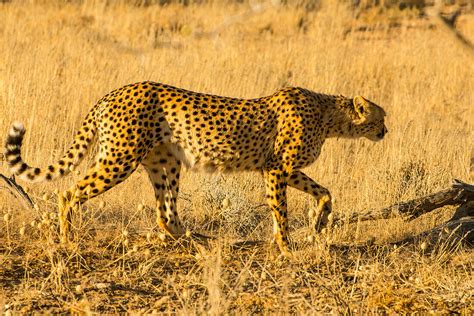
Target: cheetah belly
213, 159
186, 156
192, 159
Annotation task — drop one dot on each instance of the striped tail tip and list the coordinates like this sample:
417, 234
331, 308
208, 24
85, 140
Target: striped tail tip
13, 147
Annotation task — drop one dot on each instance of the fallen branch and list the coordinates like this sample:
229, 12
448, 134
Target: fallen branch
17, 190
447, 25
459, 228
459, 193
452, 231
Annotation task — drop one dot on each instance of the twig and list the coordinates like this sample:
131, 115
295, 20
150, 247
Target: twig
17, 190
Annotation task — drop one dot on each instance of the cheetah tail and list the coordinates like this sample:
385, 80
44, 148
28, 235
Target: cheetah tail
71, 158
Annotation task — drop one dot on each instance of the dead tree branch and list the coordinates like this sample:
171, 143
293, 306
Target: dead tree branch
447, 25
459, 227
459, 193
17, 190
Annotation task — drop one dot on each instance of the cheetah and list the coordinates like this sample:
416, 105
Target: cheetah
163, 128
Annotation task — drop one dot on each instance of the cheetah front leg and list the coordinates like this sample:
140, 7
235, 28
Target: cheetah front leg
275, 184
320, 217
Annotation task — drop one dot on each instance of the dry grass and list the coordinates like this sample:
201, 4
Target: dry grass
57, 60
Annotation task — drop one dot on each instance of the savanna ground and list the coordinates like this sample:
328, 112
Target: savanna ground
57, 59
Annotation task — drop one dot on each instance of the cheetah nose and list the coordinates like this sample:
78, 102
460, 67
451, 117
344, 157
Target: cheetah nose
382, 133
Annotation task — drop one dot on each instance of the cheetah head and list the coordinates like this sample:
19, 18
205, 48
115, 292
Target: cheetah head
370, 118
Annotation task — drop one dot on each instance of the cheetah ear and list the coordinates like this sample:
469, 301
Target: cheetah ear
360, 106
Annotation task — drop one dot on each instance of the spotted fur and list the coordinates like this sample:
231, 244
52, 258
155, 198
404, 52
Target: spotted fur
163, 127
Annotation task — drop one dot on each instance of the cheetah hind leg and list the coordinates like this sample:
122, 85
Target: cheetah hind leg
66, 204
98, 179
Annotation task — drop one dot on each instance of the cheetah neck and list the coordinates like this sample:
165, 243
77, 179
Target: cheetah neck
340, 120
